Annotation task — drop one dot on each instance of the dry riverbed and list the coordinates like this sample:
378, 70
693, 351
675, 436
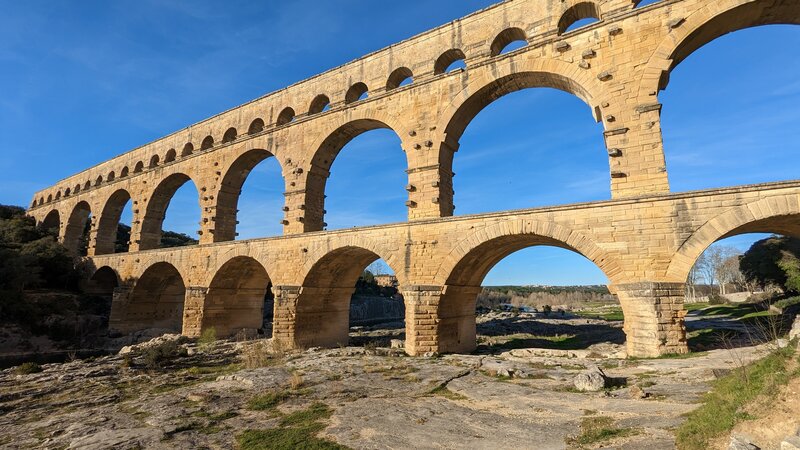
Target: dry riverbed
359, 397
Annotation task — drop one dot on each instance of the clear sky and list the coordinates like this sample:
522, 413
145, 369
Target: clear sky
85, 81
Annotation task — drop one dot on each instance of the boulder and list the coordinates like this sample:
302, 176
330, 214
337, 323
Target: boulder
499, 367
739, 442
397, 343
152, 343
795, 331
591, 380
791, 443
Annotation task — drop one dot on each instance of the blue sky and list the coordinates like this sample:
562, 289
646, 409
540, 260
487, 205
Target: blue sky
84, 81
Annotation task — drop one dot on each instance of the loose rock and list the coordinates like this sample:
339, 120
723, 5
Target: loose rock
739, 442
791, 443
591, 380
795, 331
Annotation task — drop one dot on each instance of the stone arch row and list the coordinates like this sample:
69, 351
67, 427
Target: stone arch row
320, 103
149, 204
163, 292
699, 28
321, 280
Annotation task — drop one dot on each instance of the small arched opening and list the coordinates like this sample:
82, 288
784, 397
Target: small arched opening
170, 156
320, 103
358, 91
256, 126
285, 116
508, 40
453, 59
402, 76
188, 149
578, 16
229, 136
207, 143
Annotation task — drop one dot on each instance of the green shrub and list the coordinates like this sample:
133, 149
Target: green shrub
207, 339
28, 368
158, 356
787, 302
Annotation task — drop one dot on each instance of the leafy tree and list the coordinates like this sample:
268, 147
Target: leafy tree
56, 265
773, 261
30, 256
173, 239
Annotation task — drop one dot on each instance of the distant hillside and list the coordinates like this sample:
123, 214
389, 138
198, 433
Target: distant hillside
168, 239
529, 289
539, 296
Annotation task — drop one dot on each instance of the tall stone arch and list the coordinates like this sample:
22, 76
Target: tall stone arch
768, 215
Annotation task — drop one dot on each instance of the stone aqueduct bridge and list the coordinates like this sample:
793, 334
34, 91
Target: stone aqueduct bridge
645, 238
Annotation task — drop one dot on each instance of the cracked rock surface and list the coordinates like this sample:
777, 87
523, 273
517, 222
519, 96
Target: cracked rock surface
379, 398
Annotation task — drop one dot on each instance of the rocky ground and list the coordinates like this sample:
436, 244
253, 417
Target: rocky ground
224, 394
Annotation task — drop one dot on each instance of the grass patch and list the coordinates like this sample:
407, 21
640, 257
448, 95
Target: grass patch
722, 407
214, 370
609, 314
734, 311
266, 401
307, 417
297, 431
28, 368
695, 306
598, 429
219, 417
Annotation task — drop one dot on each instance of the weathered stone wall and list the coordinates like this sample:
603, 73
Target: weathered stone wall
645, 239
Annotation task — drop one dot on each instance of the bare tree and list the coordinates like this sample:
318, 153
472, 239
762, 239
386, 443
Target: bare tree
692, 280
716, 265
379, 268
729, 273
